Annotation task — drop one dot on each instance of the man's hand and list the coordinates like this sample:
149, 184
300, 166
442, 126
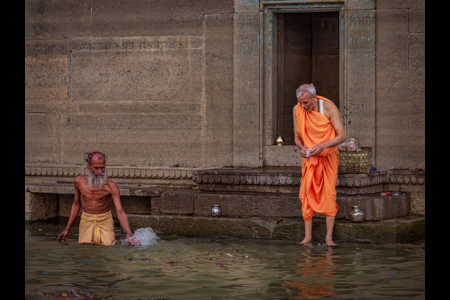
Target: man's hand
317, 149
132, 240
62, 236
303, 152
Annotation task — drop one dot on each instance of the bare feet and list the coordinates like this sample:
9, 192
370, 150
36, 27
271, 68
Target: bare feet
306, 241
330, 242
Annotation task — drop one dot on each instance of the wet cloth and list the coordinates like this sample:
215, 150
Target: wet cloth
319, 173
97, 229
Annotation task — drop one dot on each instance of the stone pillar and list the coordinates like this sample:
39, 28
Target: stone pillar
246, 88
359, 98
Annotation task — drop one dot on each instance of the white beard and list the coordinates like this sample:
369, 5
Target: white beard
96, 182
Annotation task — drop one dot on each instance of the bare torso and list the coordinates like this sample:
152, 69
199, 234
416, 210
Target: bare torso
94, 201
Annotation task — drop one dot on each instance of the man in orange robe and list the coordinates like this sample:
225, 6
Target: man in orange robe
318, 130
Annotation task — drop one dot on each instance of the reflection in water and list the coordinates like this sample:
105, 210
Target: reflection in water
315, 274
195, 268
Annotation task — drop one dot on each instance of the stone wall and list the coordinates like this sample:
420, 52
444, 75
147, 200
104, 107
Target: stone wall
157, 84
400, 89
147, 82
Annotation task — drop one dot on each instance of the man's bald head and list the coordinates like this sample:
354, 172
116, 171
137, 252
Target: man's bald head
95, 157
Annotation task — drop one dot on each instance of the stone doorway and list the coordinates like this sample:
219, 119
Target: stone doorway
307, 51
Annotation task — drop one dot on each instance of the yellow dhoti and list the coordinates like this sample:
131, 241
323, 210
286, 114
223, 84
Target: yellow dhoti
97, 229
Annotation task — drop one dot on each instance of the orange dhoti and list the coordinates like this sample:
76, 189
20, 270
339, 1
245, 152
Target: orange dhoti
319, 173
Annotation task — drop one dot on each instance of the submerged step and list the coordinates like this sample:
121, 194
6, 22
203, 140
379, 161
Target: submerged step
401, 230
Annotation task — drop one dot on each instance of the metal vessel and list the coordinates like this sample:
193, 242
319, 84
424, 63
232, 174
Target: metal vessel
216, 211
356, 215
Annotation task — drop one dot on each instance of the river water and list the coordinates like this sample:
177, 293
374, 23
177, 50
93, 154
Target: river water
172, 267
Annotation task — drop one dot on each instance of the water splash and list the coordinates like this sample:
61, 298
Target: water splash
146, 235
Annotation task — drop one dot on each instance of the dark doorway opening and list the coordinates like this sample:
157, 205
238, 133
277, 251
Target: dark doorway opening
307, 51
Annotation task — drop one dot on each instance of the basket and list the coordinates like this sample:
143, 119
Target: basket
355, 161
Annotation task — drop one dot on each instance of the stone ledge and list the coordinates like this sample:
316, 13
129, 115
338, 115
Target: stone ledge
388, 231
406, 177
68, 188
50, 170
276, 176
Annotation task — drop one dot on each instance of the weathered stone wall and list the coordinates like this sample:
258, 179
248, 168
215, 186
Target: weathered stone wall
158, 83
400, 88
147, 82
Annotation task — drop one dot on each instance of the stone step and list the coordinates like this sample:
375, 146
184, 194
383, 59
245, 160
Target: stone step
245, 205
400, 230
281, 180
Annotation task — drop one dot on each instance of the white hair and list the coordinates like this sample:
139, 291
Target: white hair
309, 88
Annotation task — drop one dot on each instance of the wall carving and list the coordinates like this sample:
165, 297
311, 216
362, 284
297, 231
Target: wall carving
406, 177
112, 172
230, 178
344, 180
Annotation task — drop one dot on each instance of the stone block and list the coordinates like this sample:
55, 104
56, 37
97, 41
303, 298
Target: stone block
46, 77
60, 20
377, 207
281, 156
417, 16
374, 207
65, 205
39, 207
137, 75
158, 140
177, 202
40, 138
418, 203
358, 4
150, 18
248, 205
136, 204
392, 4
55, 19
155, 205
399, 206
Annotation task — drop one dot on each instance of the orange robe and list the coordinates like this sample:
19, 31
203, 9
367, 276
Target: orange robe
319, 173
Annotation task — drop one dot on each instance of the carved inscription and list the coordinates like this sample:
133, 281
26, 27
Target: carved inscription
244, 23
361, 21
137, 44
248, 39
137, 75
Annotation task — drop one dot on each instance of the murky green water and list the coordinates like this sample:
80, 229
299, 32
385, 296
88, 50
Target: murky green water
227, 268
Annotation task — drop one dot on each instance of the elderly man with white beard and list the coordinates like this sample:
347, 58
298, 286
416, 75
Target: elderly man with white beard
93, 195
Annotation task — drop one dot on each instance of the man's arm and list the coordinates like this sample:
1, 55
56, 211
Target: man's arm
297, 138
340, 132
121, 215
73, 212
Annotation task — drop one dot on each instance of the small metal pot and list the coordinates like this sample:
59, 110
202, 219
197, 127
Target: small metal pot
216, 211
356, 215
